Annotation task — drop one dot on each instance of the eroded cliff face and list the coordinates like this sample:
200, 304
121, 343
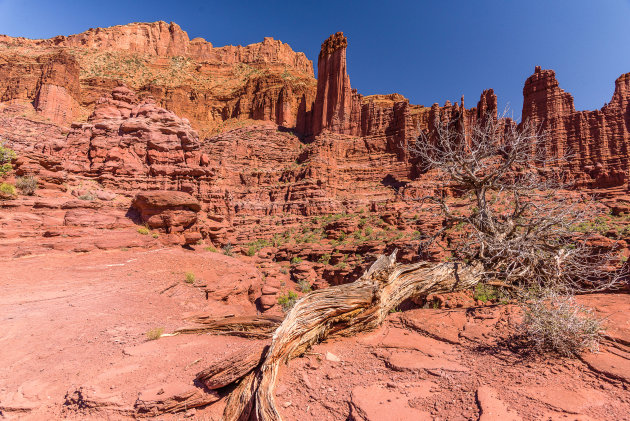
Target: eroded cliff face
597, 143
63, 77
250, 136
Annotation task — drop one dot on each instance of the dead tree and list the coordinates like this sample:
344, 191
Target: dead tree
512, 234
518, 219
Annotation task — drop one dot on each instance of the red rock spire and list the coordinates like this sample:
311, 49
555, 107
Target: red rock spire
337, 107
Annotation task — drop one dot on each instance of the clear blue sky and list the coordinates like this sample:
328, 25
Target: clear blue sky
429, 51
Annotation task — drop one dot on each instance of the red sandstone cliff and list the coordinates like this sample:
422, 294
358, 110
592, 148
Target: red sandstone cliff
597, 142
63, 77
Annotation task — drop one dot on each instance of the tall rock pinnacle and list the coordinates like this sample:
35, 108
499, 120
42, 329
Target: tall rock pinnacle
335, 102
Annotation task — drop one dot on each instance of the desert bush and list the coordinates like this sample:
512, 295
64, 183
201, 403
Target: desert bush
7, 189
143, 230
296, 260
288, 300
190, 278
6, 156
27, 184
305, 286
155, 333
211, 249
87, 196
227, 250
555, 322
324, 258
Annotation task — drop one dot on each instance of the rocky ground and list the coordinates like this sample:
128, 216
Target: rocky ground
75, 345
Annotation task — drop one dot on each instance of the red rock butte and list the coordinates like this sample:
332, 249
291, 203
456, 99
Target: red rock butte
250, 133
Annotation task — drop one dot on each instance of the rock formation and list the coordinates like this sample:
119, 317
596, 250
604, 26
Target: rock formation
63, 77
597, 142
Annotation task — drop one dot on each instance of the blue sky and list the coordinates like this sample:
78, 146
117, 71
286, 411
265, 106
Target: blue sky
429, 51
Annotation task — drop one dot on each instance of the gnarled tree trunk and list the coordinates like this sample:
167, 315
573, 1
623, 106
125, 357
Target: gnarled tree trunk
341, 310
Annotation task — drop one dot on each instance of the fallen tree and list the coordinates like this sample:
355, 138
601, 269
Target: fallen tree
514, 234
341, 310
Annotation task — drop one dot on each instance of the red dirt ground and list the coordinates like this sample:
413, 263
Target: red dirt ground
73, 346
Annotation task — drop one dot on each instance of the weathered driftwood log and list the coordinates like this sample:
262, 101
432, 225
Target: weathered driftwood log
341, 310
233, 368
155, 404
246, 326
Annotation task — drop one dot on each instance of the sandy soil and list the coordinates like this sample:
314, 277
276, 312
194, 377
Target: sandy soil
73, 345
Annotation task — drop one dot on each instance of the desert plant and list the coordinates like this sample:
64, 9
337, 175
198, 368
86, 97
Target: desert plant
555, 322
7, 190
155, 333
211, 249
6, 156
190, 278
324, 258
305, 286
510, 226
155, 235
288, 300
296, 260
227, 250
87, 196
143, 230
27, 184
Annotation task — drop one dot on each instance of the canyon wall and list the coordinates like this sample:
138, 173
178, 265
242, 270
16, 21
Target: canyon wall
597, 143
64, 77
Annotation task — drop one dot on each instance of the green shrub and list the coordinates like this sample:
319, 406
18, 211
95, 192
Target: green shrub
227, 250
155, 235
325, 258
143, 230
211, 249
190, 278
7, 189
27, 185
155, 333
296, 260
288, 300
6, 156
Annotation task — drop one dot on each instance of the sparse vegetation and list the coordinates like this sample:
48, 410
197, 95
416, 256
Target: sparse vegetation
288, 300
27, 184
8, 190
155, 333
211, 249
87, 196
296, 260
554, 322
6, 156
190, 278
305, 286
143, 230
324, 258
227, 250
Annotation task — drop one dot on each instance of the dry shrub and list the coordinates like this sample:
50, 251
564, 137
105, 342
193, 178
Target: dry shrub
26, 184
155, 333
554, 322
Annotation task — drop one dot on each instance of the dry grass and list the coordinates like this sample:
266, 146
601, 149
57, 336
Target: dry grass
556, 323
155, 333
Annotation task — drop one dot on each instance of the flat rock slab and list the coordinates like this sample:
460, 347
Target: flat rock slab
572, 401
413, 360
492, 408
615, 365
381, 403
